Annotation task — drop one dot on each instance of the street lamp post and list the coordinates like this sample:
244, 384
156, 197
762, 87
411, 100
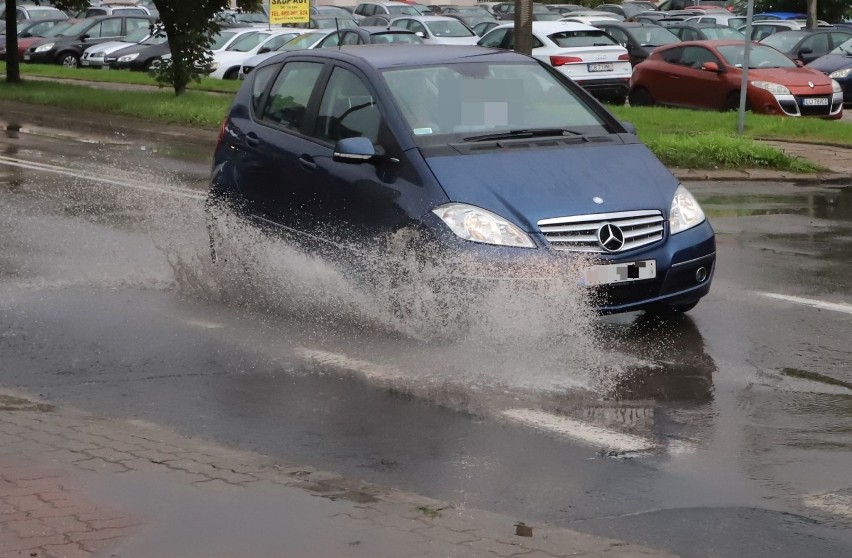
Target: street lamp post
746, 64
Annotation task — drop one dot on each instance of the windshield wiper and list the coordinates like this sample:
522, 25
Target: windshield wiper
525, 133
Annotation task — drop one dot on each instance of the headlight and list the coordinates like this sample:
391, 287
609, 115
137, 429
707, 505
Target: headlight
835, 87
774, 88
44, 48
129, 57
685, 212
96, 55
213, 66
478, 225
840, 74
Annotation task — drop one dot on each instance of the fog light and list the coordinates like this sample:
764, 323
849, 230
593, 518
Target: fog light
701, 274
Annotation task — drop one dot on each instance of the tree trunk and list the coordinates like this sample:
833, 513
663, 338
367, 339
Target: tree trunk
523, 26
13, 67
812, 15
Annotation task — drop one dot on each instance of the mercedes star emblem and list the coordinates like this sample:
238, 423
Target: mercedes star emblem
598, 200
611, 237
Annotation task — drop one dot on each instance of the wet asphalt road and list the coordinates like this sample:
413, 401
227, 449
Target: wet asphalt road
740, 414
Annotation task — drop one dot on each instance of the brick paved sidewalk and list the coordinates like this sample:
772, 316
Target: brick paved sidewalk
74, 485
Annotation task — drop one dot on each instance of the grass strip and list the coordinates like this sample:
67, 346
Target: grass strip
118, 76
193, 108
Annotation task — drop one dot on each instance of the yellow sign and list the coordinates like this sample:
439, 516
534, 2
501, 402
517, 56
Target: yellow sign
289, 11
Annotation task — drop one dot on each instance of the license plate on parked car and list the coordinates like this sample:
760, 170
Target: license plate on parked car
815, 101
609, 274
600, 67
26, 57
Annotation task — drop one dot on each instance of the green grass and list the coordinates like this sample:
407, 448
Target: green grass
680, 138
193, 107
706, 139
117, 76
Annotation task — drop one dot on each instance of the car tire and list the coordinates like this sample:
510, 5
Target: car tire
640, 97
68, 60
232, 73
732, 102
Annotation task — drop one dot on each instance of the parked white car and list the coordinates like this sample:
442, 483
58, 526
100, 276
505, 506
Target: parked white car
310, 39
587, 20
437, 30
584, 53
227, 62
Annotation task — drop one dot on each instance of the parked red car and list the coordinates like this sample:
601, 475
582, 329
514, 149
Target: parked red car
708, 74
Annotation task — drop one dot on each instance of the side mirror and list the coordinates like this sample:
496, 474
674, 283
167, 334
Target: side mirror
711, 67
354, 151
629, 127
421, 34
84, 37
805, 50
799, 63
263, 49
26, 35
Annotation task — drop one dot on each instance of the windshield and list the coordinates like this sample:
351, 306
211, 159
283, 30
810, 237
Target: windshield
722, 33
403, 10
449, 28
759, 57
472, 10
335, 23
582, 39
305, 40
248, 42
652, 36
784, 41
221, 39
333, 11
156, 39
59, 29
632, 9
78, 28
845, 48
474, 98
138, 35
539, 9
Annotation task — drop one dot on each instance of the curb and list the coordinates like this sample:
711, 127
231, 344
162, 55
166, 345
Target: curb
762, 175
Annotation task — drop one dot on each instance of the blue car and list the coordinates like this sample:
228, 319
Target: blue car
837, 65
466, 152
769, 16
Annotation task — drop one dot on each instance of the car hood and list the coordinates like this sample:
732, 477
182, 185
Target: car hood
527, 185
831, 62
791, 77
106, 48
452, 40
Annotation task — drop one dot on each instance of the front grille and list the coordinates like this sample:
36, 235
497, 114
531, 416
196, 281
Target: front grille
813, 110
579, 233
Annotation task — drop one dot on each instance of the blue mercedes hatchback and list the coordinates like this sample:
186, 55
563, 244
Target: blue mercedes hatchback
486, 154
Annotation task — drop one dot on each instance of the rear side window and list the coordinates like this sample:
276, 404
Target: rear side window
289, 96
258, 86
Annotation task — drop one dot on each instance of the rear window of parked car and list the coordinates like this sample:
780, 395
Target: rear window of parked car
582, 39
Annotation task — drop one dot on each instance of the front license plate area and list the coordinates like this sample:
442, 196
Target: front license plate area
26, 57
610, 274
600, 67
815, 102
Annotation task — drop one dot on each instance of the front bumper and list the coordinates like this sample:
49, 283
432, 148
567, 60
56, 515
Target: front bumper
795, 104
47, 57
678, 260
615, 88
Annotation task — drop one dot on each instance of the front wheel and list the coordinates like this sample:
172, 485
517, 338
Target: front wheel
69, 60
733, 102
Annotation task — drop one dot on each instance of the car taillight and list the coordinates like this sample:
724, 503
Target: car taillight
221, 137
624, 57
562, 60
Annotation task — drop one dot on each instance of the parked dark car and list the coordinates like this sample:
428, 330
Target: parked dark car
640, 39
703, 31
139, 57
374, 21
471, 20
29, 28
506, 10
708, 75
807, 46
627, 9
484, 27
370, 36
68, 48
837, 65
344, 149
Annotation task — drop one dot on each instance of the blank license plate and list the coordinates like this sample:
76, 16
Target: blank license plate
620, 273
816, 101
600, 67
26, 57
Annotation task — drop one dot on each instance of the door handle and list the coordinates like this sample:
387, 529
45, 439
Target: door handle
307, 162
252, 140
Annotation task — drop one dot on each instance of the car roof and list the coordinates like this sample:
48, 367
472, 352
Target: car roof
376, 29
402, 55
630, 24
554, 26
425, 18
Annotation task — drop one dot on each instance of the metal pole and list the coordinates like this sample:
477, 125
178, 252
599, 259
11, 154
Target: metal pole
746, 64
